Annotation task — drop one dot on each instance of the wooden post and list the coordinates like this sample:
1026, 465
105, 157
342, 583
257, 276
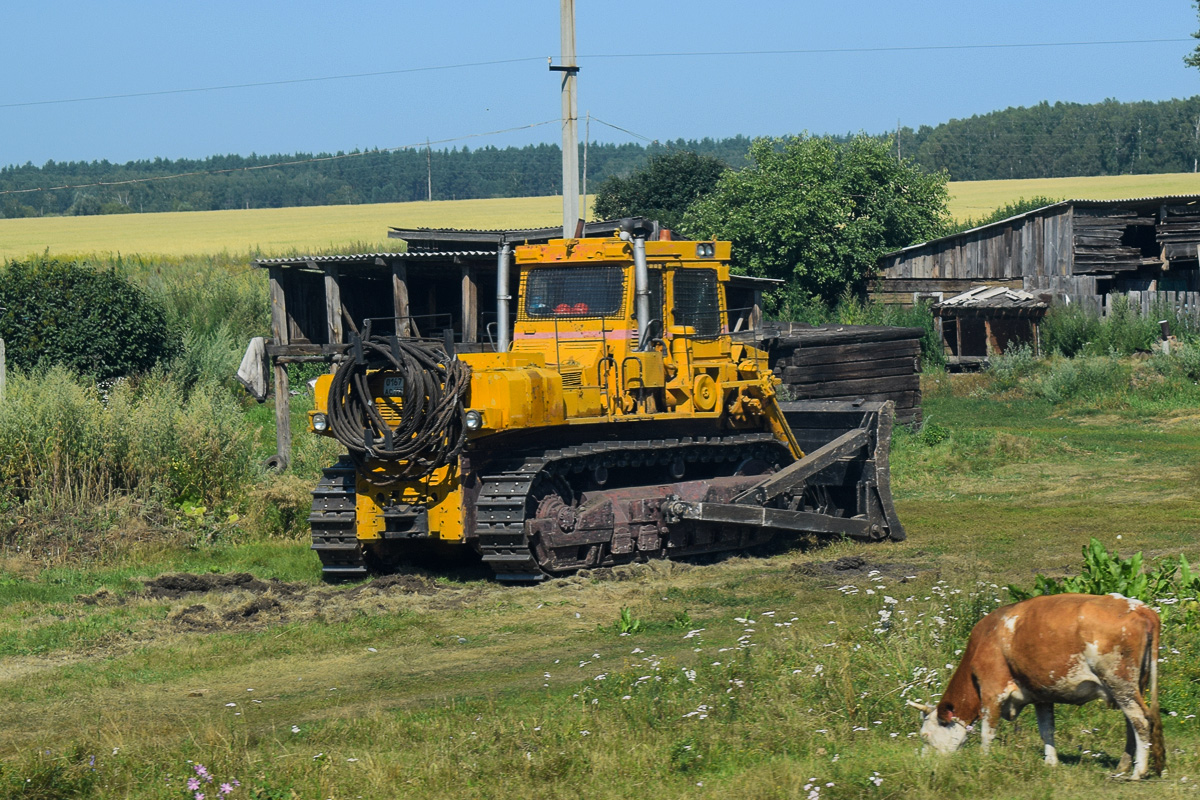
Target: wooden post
756, 312
283, 416
279, 323
333, 304
470, 304
400, 298
283, 421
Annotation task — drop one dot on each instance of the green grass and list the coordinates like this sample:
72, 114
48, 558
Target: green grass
747, 677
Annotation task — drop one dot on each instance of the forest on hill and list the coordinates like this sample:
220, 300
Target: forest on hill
1042, 141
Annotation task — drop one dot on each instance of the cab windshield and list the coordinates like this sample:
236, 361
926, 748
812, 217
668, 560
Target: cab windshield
574, 292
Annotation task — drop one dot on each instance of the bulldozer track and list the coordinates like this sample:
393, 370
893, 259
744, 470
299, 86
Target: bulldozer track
509, 494
334, 529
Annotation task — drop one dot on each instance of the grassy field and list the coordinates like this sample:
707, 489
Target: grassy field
331, 228
765, 676
267, 230
978, 198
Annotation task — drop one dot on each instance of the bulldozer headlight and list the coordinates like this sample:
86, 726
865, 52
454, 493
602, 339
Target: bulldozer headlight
705, 250
474, 420
320, 423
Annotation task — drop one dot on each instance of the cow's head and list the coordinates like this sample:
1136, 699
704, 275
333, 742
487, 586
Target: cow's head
945, 733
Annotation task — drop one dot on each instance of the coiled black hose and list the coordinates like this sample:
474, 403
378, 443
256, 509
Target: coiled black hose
431, 430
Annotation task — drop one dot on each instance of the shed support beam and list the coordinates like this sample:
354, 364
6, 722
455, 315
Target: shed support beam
400, 298
283, 421
470, 304
279, 320
333, 304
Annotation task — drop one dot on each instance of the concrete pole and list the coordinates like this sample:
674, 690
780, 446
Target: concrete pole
570, 120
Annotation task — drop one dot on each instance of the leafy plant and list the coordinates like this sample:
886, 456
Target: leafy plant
627, 623
1107, 573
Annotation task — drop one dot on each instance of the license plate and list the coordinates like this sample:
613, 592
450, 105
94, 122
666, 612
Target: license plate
394, 386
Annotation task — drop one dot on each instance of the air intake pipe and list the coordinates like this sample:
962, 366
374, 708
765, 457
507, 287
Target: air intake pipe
641, 289
503, 333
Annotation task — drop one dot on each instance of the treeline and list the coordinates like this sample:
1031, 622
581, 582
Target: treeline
1059, 140
1062, 140
224, 182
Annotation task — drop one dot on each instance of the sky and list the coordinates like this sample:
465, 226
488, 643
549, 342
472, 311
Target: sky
658, 70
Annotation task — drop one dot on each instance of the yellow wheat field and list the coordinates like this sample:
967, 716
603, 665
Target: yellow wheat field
323, 229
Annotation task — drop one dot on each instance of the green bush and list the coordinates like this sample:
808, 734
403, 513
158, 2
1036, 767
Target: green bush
94, 323
1009, 368
1085, 377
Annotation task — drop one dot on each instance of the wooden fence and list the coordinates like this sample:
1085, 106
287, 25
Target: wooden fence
1182, 304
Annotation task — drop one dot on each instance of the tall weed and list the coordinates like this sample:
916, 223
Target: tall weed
63, 435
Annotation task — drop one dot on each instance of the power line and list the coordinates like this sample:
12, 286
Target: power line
270, 83
624, 130
680, 54
893, 49
314, 160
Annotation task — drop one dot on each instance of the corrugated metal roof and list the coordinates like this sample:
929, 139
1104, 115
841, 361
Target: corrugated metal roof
992, 297
1189, 198
364, 258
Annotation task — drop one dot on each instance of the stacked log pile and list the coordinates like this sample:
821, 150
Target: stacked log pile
1179, 232
1097, 240
849, 362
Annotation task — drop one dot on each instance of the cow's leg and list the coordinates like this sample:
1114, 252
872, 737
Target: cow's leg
989, 722
1137, 722
1130, 749
1045, 723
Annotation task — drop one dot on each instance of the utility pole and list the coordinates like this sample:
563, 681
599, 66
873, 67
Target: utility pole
898, 157
587, 137
428, 169
570, 118
1196, 160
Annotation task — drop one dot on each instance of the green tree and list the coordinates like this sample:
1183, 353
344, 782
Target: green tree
662, 190
96, 323
818, 213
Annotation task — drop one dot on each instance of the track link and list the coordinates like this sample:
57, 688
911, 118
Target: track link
509, 490
334, 529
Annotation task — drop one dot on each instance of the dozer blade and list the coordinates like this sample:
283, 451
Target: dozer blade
847, 448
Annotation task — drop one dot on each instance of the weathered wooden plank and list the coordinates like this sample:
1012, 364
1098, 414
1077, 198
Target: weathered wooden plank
906, 365
470, 304
400, 302
877, 386
871, 351
333, 304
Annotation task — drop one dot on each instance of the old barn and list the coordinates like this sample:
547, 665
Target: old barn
1081, 249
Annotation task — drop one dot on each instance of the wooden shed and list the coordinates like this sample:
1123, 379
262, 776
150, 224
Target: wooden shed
986, 321
1074, 248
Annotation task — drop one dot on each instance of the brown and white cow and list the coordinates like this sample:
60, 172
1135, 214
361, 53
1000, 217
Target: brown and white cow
1064, 648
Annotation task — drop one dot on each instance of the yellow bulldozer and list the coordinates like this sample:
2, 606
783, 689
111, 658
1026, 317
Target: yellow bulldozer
627, 413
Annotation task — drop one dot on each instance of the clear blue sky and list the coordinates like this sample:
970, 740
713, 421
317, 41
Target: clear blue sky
64, 50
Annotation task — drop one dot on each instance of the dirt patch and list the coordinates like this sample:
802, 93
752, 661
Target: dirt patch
395, 584
175, 586
241, 601
855, 567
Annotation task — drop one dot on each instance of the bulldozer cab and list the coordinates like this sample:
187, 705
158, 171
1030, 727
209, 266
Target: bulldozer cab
578, 308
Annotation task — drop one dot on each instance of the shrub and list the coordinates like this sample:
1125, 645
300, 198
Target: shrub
95, 323
1086, 377
1010, 367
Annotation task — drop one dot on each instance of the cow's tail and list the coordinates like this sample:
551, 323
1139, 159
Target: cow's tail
1158, 747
